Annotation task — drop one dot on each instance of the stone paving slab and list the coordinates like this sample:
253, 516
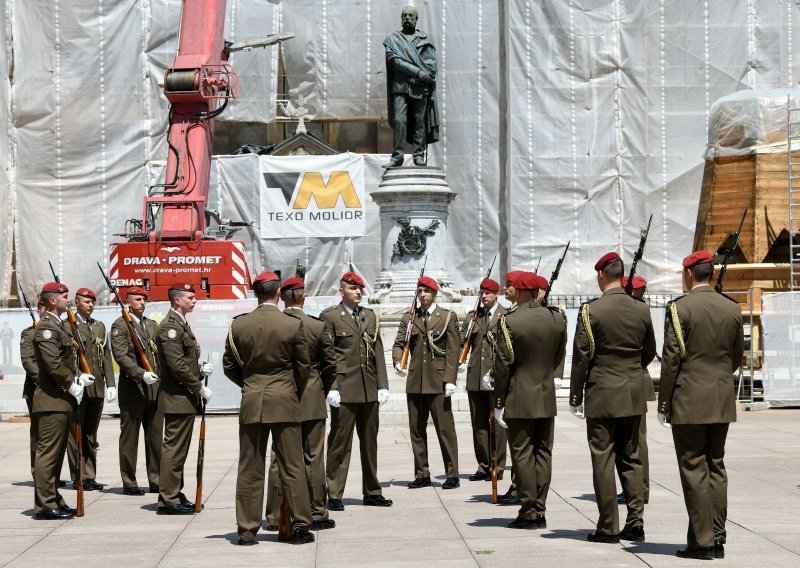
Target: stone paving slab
425, 527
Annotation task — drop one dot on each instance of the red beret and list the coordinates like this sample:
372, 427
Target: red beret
543, 282
606, 259
429, 282
86, 293
698, 257
293, 283
56, 287
137, 291
182, 286
353, 278
510, 276
266, 277
525, 281
490, 285
638, 282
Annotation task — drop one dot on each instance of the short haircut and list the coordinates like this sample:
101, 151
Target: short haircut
175, 294
410, 10
614, 269
47, 295
266, 290
702, 272
293, 296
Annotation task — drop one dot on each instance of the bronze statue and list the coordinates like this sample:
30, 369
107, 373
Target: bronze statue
411, 89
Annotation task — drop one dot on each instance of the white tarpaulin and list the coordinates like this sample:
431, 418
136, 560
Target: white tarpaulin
780, 318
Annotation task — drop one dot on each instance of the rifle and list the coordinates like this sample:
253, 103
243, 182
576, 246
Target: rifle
473, 322
201, 453
492, 450
729, 254
84, 367
538, 264
27, 303
554, 275
138, 344
412, 318
285, 523
637, 257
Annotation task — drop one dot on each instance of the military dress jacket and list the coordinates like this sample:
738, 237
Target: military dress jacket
266, 355
28, 357
481, 346
55, 356
614, 341
702, 351
433, 355
322, 358
131, 387
531, 344
178, 354
98, 356
360, 362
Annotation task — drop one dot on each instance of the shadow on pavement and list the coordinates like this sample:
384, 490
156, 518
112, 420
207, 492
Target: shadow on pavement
665, 549
579, 534
496, 522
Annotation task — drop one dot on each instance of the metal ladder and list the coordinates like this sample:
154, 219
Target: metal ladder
793, 163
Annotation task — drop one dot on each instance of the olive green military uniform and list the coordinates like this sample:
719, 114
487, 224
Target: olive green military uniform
28, 356
360, 373
98, 356
531, 344
703, 346
607, 361
138, 401
313, 413
54, 407
266, 355
435, 347
480, 401
178, 399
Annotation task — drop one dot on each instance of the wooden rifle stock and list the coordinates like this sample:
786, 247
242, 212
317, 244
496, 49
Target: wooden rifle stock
285, 524
492, 450
412, 318
728, 254
201, 454
84, 365
471, 327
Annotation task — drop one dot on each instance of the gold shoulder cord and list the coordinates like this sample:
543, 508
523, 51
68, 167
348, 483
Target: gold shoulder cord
100, 345
432, 340
676, 325
233, 346
587, 326
507, 338
369, 342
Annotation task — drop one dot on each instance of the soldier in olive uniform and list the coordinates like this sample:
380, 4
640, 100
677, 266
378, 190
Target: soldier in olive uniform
614, 341
28, 357
138, 394
55, 401
703, 347
530, 346
478, 391
98, 355
510, 496
361, 386
178, 397
312, 410
434, 351
266, 355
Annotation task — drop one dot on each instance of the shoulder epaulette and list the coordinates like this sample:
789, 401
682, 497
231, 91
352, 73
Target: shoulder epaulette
558, 309
639, 299
591, 300
326, 310
676, 298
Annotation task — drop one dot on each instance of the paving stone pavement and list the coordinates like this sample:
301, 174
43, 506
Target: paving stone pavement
425, 527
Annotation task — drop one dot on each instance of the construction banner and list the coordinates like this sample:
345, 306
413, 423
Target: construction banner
312, 196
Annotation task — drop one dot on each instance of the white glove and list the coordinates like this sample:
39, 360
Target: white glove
85, 380
662, 419
76, 390
449, 389
149, 378
383, 396
399, 371
335, 399
498, 416
206, 393
206, 369
111, 394
487, 382
577, 411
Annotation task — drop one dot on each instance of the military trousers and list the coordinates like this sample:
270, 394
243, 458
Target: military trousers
177, 439
613, 443
701, 450
54, 430
91, 410
364, 418
439, 408
531, 443
34, 433
480, 403
403, 104
287, 440
134, 416
313, 436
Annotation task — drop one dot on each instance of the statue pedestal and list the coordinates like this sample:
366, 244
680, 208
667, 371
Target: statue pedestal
414, 203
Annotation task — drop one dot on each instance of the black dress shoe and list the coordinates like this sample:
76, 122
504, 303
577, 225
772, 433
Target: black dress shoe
271, 528
92, 485
451, 483
302, 536
138, 491
479, 476
175, 510
323, 524
335, 505
508, 498
519, 523
154, 489
719, 549
54, 515
621, 498
67, 509
541, 522
377, 501
604, 538
703, 553
634, 534
243, 542
420, 482
62, 483
185, 502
